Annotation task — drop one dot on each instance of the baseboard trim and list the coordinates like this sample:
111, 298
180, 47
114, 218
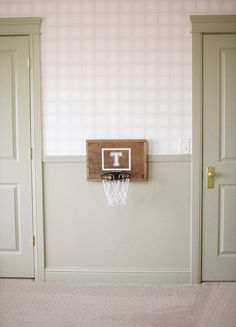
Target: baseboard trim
117, 275
151, 158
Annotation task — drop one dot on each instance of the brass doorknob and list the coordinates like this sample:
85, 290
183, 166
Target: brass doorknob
210, 177
211, 174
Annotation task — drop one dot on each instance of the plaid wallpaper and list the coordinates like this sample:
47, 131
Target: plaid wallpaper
115, 69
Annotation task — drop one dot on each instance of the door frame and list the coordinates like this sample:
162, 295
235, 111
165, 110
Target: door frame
201, 25
30, 26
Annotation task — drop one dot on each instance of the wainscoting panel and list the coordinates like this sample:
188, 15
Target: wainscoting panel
147, 240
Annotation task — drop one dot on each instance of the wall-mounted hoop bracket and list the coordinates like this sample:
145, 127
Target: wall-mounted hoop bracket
116, 175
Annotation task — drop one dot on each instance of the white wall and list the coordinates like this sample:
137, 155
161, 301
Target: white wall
115, 69
147, 240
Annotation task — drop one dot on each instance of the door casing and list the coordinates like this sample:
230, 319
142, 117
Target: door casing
201, 25
30, 26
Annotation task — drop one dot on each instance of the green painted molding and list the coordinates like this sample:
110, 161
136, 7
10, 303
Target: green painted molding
118, 275
64, 159
169, 158
213, 23
20, 25
212, 18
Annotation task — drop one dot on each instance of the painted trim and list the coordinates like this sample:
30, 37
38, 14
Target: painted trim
118, 275
213, 23
169, 158
196, 182
20, 25
36, 128
151, 158
31, 28
200, 25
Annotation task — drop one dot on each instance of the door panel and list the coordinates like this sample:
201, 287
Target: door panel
219, 151
227, 223
16, 247
7, 106
228, 101
9, 220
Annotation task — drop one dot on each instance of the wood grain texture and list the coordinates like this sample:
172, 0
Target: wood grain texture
138, 157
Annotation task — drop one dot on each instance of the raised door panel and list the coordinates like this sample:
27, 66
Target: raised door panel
228, 101
7, 106
227, 225
9, 218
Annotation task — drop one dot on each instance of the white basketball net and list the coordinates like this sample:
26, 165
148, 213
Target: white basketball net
116, 190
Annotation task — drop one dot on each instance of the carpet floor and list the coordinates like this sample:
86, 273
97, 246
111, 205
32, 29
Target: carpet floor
24, 303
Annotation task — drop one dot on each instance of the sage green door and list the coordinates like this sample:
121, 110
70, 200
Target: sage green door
219, 151
16, 247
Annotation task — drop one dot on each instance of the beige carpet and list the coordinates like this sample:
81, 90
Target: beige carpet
70, 304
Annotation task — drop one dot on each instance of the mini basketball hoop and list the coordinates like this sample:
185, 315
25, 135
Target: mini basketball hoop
115, 186
115, 163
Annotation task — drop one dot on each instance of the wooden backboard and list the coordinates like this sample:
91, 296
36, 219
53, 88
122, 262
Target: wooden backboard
117, 155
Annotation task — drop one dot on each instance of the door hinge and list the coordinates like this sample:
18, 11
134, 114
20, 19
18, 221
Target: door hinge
34, 241
28, 62
31, 153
